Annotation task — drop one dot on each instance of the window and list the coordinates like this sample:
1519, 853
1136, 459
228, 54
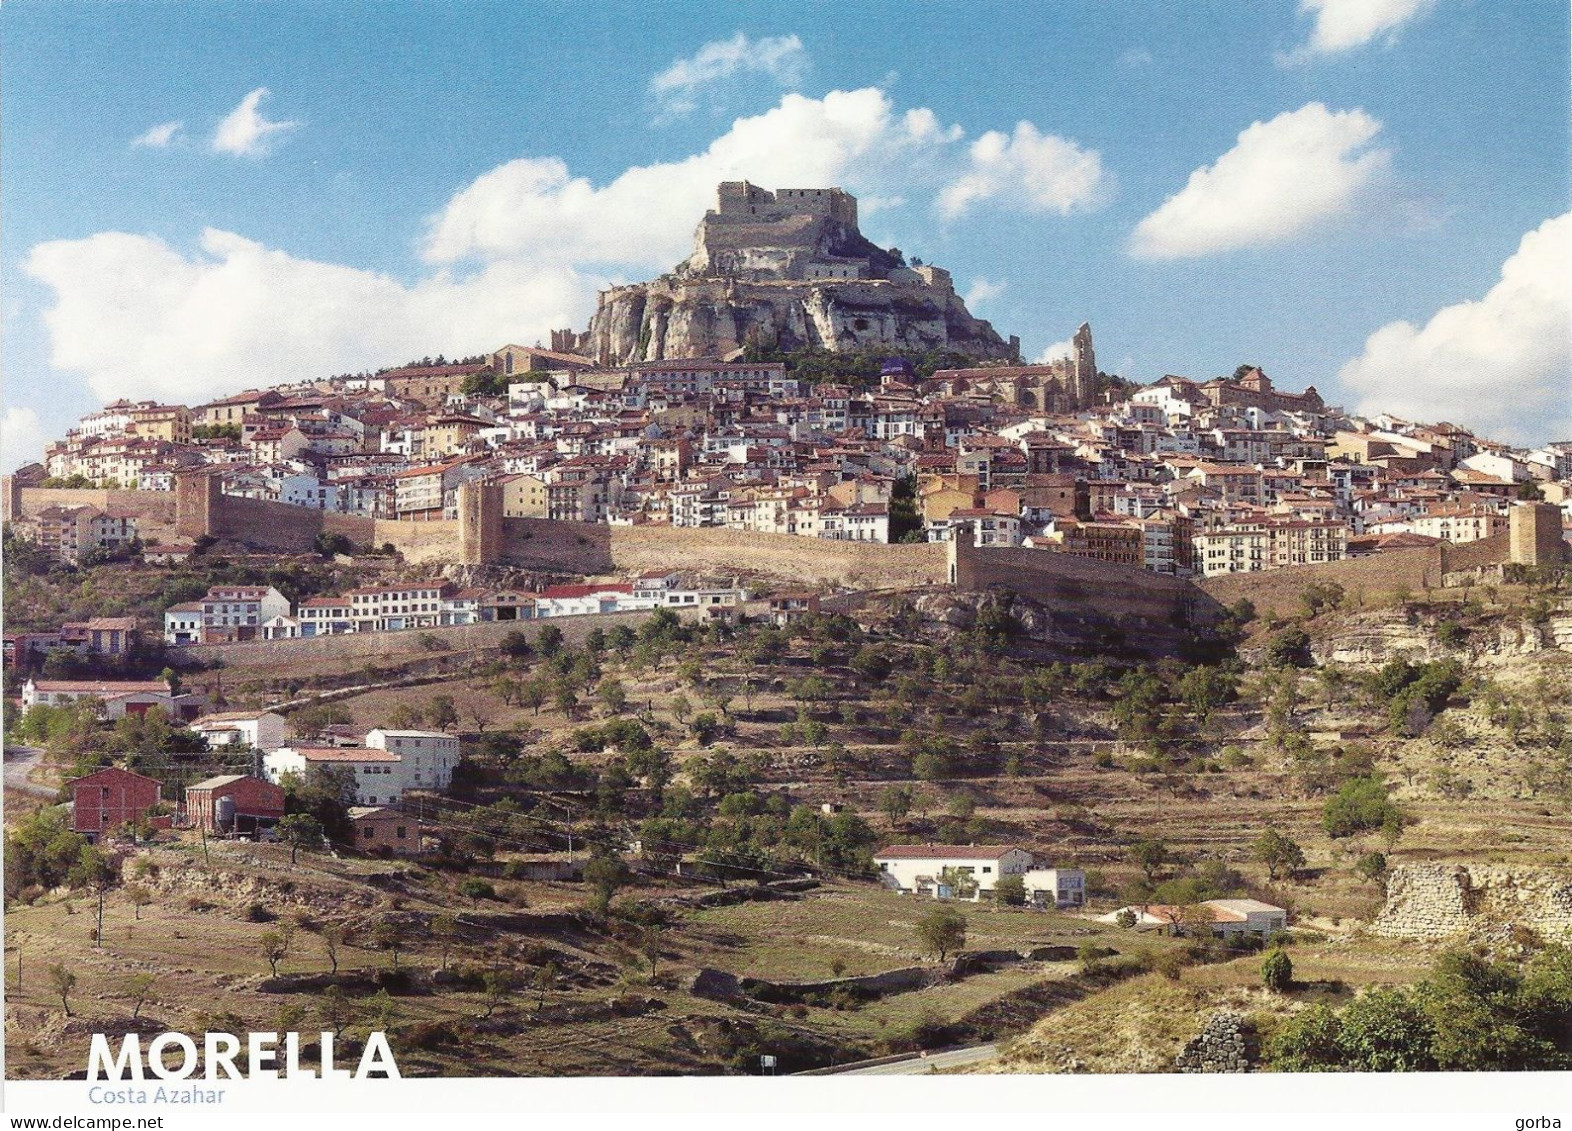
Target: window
367, 832
402, 833
986, 869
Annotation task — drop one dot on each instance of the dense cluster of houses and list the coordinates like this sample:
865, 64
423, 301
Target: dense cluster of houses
1180, 476
231, 613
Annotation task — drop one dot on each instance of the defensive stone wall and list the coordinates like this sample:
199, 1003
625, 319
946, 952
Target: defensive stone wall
1434, 902
1052, 578
589, 548
153, 506
1278, 591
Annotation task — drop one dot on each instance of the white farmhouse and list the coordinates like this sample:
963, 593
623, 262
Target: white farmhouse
1055, 887
378, 775
263, 730
919, 868
429, 757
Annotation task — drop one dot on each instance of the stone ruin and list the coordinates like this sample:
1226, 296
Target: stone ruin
1433, 902
1223, 1046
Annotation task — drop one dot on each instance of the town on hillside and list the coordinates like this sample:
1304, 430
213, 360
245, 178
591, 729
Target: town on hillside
862, 699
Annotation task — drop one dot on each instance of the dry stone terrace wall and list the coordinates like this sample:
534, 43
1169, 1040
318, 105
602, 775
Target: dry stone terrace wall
1434, 902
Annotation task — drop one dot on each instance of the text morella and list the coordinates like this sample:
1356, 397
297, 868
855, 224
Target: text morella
229, 1056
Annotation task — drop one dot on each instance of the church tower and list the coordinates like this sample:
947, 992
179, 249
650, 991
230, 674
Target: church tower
1084, 361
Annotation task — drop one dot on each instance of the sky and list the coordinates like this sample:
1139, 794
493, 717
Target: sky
1367, 196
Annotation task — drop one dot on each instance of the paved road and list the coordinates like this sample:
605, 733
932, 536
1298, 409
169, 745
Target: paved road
922, 1065
19, 762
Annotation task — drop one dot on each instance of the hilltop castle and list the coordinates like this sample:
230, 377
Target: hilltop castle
786, 269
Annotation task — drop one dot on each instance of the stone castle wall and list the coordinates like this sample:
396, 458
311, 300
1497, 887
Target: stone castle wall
1051, 577
1377, 576
1434, 902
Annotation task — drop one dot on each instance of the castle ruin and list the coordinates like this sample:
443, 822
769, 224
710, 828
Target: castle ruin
786, 269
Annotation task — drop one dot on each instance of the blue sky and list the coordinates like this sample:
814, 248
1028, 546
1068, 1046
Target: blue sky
204, 197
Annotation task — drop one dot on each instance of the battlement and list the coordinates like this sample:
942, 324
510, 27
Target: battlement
742, 200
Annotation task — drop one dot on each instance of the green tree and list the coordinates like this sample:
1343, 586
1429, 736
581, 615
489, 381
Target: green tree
941, 931
1010, 890
138, 986
1150, 855
548, 641
441, 714
62, 981
300, 829
613, 696
1278, 853
604, 874
334, 938
274, 943
1360, 805
895, 802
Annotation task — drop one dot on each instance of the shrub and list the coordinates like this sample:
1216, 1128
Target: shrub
476, 888
1277, 971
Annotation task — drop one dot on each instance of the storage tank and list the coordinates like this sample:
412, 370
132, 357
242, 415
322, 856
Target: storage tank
224, 815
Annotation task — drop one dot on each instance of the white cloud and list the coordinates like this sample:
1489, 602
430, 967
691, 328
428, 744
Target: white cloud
21, 437
1284, 177
534, 208
981, 291
1031, 171
159, 137
1502, 364
1056, 352
1342, 25
515, 253
245, 132
141, 319
780, 57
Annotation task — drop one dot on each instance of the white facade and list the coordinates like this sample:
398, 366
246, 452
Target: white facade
1056, 887
380, 777
264, 730
917, 869
429, 758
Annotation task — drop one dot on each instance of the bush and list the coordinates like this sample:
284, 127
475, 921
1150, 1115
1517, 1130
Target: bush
1010, 890
476, 888
1277, 971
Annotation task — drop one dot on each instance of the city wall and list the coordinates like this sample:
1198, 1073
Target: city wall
1373, 577
1114, 592
596, 549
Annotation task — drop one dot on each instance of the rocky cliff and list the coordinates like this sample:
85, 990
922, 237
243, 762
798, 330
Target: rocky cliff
787, 270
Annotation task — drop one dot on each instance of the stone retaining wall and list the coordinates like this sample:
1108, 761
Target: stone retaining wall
1432, 902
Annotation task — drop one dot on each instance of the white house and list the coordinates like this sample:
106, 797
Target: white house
116, 698
263, 730
379, 776
919, 868
429, 758
1230, 917
183, 623
1055, 887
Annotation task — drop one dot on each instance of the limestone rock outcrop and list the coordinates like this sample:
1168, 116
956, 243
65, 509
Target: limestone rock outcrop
788, 270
